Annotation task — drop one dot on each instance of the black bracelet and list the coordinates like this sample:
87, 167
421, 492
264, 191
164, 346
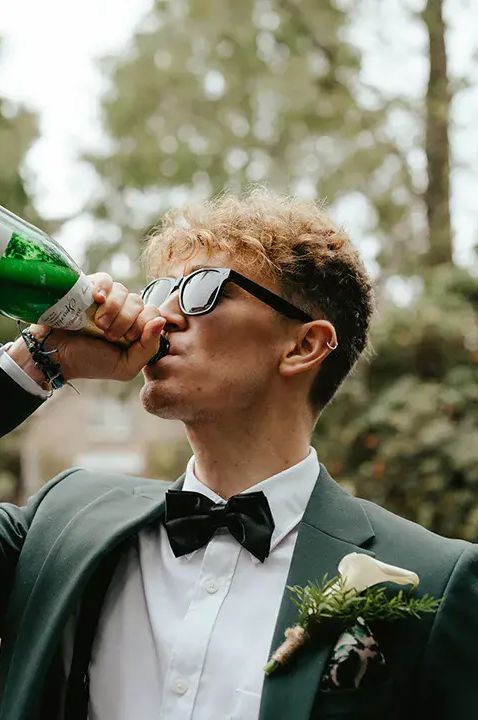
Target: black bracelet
42, 358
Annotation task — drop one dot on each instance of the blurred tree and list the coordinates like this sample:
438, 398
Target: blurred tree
402, 431
438, 101
411, 444
214, 95
18, 130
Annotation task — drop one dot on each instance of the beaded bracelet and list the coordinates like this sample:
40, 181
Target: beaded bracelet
42, 358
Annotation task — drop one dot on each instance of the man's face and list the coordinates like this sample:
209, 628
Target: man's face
220, 363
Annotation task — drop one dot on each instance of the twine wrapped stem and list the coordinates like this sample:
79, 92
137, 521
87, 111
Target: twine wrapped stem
295, 637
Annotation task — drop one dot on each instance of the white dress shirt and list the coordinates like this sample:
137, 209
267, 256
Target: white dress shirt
20, 376
187, 638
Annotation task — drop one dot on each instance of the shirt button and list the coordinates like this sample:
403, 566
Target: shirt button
211, 587
180, 686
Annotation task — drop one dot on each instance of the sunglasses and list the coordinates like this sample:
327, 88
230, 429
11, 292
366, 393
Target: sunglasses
199, 292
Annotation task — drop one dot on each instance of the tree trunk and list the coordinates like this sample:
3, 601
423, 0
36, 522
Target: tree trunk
438, 100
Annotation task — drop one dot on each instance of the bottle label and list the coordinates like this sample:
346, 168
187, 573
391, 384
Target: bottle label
69, 312
5, 235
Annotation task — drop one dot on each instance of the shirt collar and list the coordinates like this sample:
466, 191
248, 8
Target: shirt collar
288, 493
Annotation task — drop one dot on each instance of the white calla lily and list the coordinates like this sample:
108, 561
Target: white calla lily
359, 572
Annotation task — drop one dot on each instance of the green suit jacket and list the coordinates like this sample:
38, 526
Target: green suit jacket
50, 549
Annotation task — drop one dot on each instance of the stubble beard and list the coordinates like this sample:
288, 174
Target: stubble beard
158, 401
194, 405
173, 405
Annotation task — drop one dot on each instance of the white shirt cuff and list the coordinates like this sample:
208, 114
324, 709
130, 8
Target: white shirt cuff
20, 376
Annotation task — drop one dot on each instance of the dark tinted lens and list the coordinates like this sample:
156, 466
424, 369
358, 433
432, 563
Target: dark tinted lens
200, 291
157, 292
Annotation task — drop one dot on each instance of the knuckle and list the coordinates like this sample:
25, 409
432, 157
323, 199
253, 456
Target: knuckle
124, 322
114, 306
102, 319
136, 299
151, 312
119, 287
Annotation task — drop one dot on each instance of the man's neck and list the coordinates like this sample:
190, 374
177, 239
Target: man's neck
231, 457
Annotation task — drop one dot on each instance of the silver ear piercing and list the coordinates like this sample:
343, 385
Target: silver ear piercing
332, 347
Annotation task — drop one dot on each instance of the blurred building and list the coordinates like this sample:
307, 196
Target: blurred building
98, 431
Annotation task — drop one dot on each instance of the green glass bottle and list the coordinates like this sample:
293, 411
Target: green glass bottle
39, 281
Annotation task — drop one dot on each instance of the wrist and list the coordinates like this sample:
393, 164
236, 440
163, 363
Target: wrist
19, 354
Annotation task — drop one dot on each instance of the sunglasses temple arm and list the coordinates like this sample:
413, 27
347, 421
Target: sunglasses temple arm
274, 301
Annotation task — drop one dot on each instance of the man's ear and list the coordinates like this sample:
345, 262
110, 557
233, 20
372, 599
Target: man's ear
310, 346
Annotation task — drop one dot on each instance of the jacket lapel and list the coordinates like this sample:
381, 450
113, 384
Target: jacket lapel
51, 578
333, 525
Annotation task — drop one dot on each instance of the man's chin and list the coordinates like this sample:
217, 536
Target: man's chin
175, 403
157, 401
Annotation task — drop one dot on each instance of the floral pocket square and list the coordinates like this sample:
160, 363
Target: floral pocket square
356, 660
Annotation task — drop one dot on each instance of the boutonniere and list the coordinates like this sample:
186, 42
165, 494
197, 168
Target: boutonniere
350, 596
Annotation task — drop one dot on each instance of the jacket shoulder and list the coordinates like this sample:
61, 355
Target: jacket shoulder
78, 487
406, 539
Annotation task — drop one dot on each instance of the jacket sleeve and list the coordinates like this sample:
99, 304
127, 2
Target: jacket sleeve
16, 404
450, 689
14, 524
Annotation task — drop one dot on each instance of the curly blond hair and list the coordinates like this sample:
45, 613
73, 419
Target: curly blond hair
293, 242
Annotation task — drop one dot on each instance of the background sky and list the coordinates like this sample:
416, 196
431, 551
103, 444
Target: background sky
48, 60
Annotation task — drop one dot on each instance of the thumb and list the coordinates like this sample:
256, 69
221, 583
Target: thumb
145, 347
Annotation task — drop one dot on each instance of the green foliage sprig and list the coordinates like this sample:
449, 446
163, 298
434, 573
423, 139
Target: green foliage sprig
330, 599
324, 600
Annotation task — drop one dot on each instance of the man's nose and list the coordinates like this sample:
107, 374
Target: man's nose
171, 311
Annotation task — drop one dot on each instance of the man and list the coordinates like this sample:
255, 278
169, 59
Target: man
122, 608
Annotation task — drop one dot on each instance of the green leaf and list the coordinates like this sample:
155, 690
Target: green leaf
317, 602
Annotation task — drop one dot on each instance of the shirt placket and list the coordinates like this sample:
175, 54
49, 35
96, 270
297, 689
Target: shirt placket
189, 652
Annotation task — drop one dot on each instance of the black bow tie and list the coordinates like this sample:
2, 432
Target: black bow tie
191, 520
